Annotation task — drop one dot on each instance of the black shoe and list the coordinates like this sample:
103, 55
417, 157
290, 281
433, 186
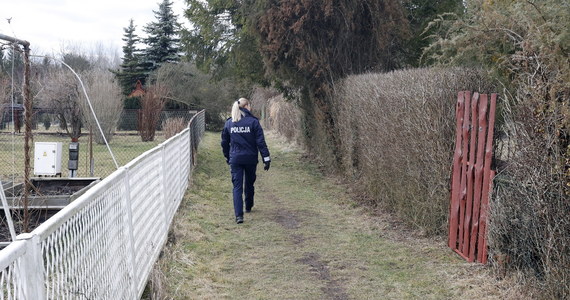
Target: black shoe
239, 220
248, 210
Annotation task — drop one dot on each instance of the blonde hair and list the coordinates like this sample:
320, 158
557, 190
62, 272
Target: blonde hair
236, 112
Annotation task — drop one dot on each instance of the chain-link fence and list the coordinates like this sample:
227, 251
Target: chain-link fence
94, 159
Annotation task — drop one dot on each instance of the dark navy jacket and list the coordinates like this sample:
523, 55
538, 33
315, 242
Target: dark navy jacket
242, 140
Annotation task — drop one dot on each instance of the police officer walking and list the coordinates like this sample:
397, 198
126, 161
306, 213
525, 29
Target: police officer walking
242, 139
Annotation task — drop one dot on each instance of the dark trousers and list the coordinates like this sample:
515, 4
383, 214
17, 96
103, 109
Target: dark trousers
243, 178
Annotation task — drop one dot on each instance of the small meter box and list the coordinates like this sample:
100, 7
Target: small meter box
47, 158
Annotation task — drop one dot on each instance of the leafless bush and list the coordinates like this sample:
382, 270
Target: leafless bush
529, 221
105, 95
172, 126
277, 113
259, 99
396, 134
152, 103
284, 117
530, 224
62, 93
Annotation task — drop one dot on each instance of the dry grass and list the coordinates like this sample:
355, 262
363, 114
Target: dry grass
305, 239
172, 126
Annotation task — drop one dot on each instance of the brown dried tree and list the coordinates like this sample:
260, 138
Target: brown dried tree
152, 103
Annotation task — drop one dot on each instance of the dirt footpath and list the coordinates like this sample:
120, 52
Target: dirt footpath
305, 239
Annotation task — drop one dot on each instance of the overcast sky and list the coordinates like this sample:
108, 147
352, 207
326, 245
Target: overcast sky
50, 25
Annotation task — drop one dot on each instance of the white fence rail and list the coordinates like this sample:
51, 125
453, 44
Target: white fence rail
103, 245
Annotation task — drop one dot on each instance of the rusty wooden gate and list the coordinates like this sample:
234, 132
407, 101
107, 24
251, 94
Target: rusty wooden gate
472, 175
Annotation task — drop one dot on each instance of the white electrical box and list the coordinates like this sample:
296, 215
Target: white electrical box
47, 158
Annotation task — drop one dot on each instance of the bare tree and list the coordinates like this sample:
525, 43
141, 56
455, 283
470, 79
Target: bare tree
152, 103
61, 93
105, 96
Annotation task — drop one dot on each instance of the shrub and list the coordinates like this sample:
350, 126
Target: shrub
46, 120
276, 113
284, 116
529, 222
63, 94
172, 126
152, 103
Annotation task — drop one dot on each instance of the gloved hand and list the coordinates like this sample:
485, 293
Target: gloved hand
267, 165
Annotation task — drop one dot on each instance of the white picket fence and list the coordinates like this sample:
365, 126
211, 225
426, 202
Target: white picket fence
104, 244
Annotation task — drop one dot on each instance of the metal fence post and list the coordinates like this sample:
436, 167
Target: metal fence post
165, 207
31, 271
190, 152
130, 230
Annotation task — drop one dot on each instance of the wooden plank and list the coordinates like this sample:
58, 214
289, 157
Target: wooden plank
464, 153
487, 180
470, 174
482, 249
481, 139
456, 173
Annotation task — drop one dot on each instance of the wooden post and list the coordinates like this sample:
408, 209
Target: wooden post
28, 135
91, 160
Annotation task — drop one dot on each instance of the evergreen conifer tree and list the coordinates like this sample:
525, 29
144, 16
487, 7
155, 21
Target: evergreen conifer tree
163, 41
131, 69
